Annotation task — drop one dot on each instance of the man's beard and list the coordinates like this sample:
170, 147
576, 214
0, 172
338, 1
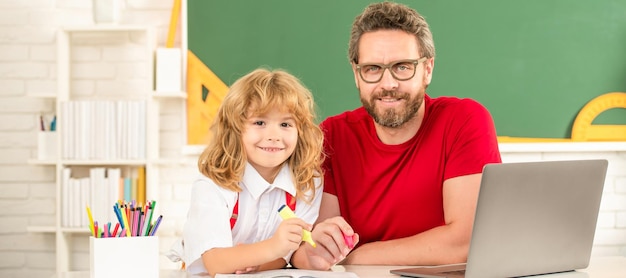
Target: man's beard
394, 118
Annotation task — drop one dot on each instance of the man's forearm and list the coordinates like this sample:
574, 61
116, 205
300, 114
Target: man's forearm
441, 245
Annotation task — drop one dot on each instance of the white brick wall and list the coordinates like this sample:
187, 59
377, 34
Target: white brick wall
28, 65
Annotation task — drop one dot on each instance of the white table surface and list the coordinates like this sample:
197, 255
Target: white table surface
599, 267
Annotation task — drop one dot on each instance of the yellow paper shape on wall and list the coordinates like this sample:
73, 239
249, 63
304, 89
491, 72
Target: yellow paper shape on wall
583, 130
200, 113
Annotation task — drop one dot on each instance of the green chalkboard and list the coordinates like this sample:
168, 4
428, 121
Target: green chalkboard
534, 64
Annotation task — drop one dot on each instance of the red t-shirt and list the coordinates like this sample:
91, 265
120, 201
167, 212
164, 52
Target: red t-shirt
394, 191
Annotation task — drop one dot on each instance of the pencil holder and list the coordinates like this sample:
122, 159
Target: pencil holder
124, 257
47, 145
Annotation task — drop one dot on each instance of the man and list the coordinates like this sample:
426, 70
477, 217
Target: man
403, 172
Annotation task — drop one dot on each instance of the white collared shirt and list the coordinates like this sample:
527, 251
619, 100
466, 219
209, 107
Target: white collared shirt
208, 219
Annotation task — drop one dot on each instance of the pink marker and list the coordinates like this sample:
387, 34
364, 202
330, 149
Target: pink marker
349, 241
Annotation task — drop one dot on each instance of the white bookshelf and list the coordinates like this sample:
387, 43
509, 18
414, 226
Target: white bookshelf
92, 36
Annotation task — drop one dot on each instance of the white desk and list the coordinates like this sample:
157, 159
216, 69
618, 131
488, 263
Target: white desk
599, 267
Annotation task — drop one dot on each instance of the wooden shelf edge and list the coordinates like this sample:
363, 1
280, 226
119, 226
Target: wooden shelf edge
103, 162
562, 147
157, 161
158, 94
105, 27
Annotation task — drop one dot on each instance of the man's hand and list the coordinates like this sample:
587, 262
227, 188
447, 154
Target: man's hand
331, 245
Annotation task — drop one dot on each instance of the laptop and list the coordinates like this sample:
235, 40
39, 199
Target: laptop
531, 218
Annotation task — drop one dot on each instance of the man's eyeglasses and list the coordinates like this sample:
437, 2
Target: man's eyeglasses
401, 70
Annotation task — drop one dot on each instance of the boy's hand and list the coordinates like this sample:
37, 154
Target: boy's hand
249, 269
288, 236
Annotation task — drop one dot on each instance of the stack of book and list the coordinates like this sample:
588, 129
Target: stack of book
103, 129
98, 187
